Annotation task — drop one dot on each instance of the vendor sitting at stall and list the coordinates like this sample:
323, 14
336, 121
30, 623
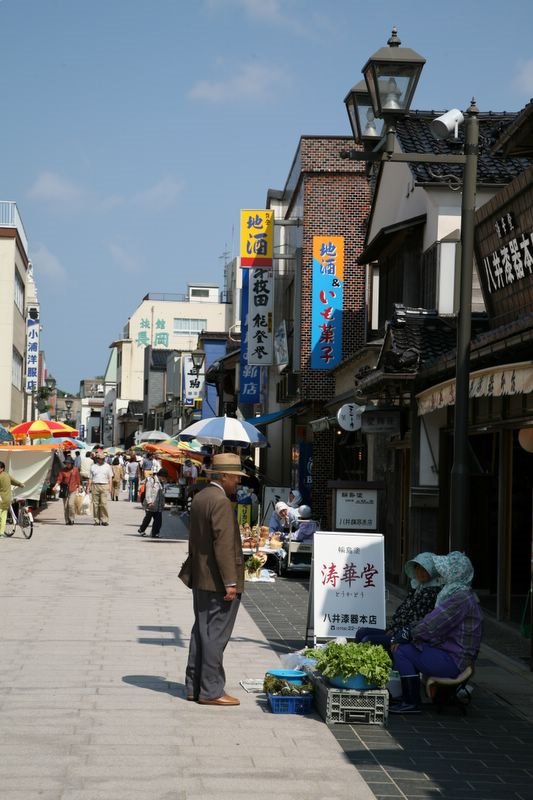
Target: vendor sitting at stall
284, 520
306, 528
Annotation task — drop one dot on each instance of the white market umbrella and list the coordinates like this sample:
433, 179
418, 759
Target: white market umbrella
220, 431
153, 436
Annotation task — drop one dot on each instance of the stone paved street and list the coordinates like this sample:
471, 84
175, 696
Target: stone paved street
94, 635
485, 755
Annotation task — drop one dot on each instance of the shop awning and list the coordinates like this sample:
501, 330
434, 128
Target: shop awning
507, 379
267, 419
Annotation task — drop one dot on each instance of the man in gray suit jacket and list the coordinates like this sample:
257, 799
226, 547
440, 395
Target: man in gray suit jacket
217, 581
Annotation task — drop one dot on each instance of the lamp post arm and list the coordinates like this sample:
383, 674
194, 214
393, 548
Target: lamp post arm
460, 488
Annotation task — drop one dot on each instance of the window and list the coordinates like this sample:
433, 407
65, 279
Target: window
19, 292
189, 326
16, 370
199, 293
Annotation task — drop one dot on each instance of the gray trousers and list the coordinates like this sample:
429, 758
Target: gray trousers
214, 619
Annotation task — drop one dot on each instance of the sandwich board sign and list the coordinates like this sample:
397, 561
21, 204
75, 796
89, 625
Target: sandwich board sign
348, 583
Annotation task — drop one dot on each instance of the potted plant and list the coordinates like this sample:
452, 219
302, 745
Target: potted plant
253, 565
354, 665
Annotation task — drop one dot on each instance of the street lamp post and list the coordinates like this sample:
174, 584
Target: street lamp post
391, 76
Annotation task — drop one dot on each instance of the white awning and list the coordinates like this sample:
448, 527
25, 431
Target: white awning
507, 379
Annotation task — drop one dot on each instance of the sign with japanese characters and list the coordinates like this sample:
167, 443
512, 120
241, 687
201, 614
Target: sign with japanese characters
257, 238
32, 355
348, 583
260, 317
249, 374
356, 509
152, 332
327, 300
193, 381
504, 251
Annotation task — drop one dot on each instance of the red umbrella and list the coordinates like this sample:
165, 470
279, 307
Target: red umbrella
42, 429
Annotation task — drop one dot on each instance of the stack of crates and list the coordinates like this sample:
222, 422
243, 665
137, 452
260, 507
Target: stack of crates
369, 707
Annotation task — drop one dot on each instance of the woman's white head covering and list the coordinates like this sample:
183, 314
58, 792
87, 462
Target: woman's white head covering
281, 507
296, 499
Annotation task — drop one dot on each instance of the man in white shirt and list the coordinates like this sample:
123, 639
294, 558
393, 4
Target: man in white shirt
100, 485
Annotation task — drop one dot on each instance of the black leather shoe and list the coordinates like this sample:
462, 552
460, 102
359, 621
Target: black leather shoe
140, 530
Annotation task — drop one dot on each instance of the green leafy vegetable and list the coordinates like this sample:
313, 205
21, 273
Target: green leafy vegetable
353, 658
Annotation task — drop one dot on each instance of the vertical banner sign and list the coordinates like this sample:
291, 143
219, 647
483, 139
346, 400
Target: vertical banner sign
250, 375
193, 381
257, 238
327, 298
260, 317
348, 583
32, 354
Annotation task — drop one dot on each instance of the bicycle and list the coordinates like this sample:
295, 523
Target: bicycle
19, 514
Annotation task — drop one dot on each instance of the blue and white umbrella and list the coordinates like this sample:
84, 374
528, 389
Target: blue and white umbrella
220, 431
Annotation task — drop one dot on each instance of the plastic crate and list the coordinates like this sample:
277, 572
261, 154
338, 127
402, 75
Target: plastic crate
290, 704
370, 707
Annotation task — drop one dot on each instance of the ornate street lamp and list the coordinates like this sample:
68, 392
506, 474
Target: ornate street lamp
391, 76
198, 358
365, 126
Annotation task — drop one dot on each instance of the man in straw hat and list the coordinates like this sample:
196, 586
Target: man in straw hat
217, 581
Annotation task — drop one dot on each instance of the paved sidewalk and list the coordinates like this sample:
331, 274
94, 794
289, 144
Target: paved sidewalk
486, 755
94, 635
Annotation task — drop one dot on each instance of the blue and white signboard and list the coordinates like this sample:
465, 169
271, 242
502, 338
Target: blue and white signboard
32, 355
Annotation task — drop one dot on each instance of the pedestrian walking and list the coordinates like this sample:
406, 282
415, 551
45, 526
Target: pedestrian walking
118, 476
85, 467
6, 482
132, 473
68, 480
154, 502
100, 486
217, 581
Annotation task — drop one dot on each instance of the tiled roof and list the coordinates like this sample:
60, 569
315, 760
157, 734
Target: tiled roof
416, 332
414, 135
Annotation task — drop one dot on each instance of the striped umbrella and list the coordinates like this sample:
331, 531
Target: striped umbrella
42, 429
224, 431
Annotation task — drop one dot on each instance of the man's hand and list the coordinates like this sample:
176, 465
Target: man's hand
231, 593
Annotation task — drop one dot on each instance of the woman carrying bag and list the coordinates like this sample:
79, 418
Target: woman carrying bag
68, 481
154, 502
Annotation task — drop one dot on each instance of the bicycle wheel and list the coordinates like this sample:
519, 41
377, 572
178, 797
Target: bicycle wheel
26, 524
10, 525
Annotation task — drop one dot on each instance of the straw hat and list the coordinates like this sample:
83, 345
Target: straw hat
226, 462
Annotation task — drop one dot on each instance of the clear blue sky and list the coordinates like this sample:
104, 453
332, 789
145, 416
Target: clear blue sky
133, 131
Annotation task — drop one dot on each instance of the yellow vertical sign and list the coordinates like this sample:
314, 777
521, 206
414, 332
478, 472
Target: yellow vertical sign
257, 238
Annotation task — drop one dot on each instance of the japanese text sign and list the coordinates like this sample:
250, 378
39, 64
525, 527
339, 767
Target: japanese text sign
348, 583
356, 509
257, 238
193, 381
260, 317
327, 301
250, 374
32, 354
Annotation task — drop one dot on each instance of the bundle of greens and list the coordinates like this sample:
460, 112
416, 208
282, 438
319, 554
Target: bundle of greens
279, 686
338, 660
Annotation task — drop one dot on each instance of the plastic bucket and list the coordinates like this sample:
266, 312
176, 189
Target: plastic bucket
289, 675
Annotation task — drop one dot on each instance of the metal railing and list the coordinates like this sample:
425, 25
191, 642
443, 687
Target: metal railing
10, 218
